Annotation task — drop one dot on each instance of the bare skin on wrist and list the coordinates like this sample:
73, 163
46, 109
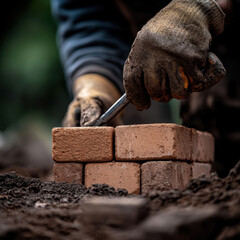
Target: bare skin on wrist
226, 5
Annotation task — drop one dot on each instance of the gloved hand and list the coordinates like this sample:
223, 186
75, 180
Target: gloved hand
169, 56
93, 95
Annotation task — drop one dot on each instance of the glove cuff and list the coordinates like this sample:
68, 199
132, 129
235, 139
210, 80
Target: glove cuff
206, 12
213, 13
216, 16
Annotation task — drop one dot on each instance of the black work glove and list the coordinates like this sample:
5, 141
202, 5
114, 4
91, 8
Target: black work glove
170, 56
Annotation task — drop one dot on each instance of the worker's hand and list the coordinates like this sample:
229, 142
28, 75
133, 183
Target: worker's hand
170, 55
93, 95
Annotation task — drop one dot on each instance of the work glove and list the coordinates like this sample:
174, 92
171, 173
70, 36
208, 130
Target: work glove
93, 95
170, 56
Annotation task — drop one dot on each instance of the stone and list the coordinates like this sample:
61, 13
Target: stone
183, 224
82, 144
68, 172
119, 211
165, 175
116, 174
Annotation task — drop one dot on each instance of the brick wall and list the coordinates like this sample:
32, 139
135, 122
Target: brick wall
138, 158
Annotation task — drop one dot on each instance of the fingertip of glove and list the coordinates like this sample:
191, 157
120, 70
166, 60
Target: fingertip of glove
140, 106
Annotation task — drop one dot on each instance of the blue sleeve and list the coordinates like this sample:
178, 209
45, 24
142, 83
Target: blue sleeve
93, 37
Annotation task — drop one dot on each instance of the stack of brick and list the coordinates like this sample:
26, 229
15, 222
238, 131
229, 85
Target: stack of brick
138, 158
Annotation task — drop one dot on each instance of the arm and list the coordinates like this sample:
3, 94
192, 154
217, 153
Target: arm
170, 56
92, 39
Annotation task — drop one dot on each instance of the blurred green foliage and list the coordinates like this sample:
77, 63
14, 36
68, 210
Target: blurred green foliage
32, 82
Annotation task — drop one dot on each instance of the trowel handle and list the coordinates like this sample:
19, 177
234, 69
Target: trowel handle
116, 108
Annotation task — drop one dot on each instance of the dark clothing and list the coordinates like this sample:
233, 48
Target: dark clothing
96, 36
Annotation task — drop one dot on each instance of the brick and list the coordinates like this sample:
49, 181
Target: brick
199, 169
86, 144
182, 223
205, 147
116, 174
68, 172
120, 211
165, 175
154, 142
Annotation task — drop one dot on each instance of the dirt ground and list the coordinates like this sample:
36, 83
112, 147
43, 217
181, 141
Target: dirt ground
209, 208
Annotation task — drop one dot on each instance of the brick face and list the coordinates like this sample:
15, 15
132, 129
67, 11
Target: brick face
116, 174
68, 172
161, 142
165, 175
204, 148
154, 142
198, 169
88, 144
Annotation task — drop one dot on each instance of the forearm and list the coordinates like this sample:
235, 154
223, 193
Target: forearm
92, 38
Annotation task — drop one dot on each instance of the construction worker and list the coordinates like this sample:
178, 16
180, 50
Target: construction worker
169, 57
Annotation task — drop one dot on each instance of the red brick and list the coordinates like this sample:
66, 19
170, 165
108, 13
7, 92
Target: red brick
165, 175
205, 147
68, 172
154, 142
82, 144
116, 174
199, 169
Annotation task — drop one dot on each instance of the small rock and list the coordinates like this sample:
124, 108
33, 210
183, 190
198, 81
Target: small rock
119, 211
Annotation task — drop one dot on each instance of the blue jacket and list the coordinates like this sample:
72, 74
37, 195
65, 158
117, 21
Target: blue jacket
95, 36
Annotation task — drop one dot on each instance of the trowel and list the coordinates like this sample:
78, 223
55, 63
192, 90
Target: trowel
116, 108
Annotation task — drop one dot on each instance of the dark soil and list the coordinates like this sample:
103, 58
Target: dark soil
32, 209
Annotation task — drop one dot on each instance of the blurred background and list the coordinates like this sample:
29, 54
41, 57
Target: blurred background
33, 96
